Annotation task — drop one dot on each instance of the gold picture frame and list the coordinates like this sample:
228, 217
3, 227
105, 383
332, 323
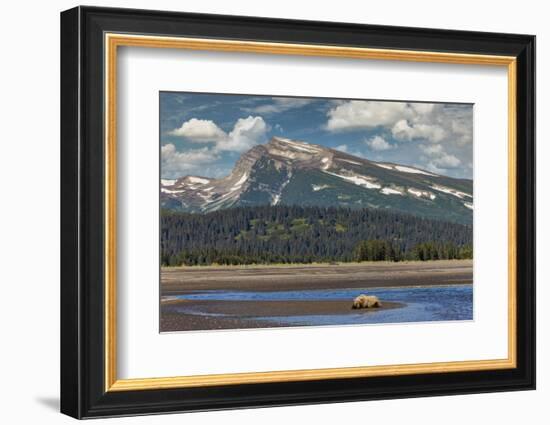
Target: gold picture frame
114, 41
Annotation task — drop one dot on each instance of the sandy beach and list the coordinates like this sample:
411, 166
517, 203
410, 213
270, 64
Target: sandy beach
181, 280
244, 314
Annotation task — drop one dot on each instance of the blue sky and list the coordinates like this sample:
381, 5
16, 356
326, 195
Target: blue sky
205, 134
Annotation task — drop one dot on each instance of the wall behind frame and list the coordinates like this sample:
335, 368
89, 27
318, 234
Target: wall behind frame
29, 225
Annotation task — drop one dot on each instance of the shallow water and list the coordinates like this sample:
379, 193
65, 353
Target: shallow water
422, 304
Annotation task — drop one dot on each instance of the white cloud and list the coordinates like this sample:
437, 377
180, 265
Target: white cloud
403, 131
442, 132
438, 159
343, 148
432, 150
279, 104
199, 131
246, 133
428, 122
422, 108
462, 128
378, 143
359, 114
447, 161
175, 164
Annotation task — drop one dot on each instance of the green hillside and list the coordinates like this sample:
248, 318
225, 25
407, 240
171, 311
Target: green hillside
297, 234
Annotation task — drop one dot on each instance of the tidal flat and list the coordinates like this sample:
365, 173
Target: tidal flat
240, 297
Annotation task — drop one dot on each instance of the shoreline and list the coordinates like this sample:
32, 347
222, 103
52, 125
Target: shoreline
183, 280
179, 316
323, 264
175, 298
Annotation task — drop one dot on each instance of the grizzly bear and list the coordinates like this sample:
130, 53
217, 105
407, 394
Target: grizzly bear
366, 301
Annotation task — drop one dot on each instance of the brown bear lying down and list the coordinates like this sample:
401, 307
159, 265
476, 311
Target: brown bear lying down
366, 301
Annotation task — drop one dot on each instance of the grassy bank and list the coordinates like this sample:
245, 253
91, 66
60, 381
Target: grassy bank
437, 263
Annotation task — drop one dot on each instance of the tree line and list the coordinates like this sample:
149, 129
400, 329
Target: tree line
294, 234
384, 250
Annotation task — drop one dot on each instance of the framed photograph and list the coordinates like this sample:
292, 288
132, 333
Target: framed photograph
261, 212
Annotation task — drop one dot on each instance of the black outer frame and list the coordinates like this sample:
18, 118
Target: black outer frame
82, 212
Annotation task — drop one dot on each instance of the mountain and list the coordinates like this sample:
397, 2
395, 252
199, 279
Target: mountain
289, 172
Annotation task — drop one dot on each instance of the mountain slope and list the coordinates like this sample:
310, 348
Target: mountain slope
288, 172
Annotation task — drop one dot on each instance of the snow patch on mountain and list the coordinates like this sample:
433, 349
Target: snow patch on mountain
390, 191
206, 196
450, 191
277, 197
350, 162
415, 192
404, 169
223, 201
305, 149
326, 163
300, 146
317, 188
284, 153
241, 180
198, 180
358, 179
164, 190
167, 182
421, 193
